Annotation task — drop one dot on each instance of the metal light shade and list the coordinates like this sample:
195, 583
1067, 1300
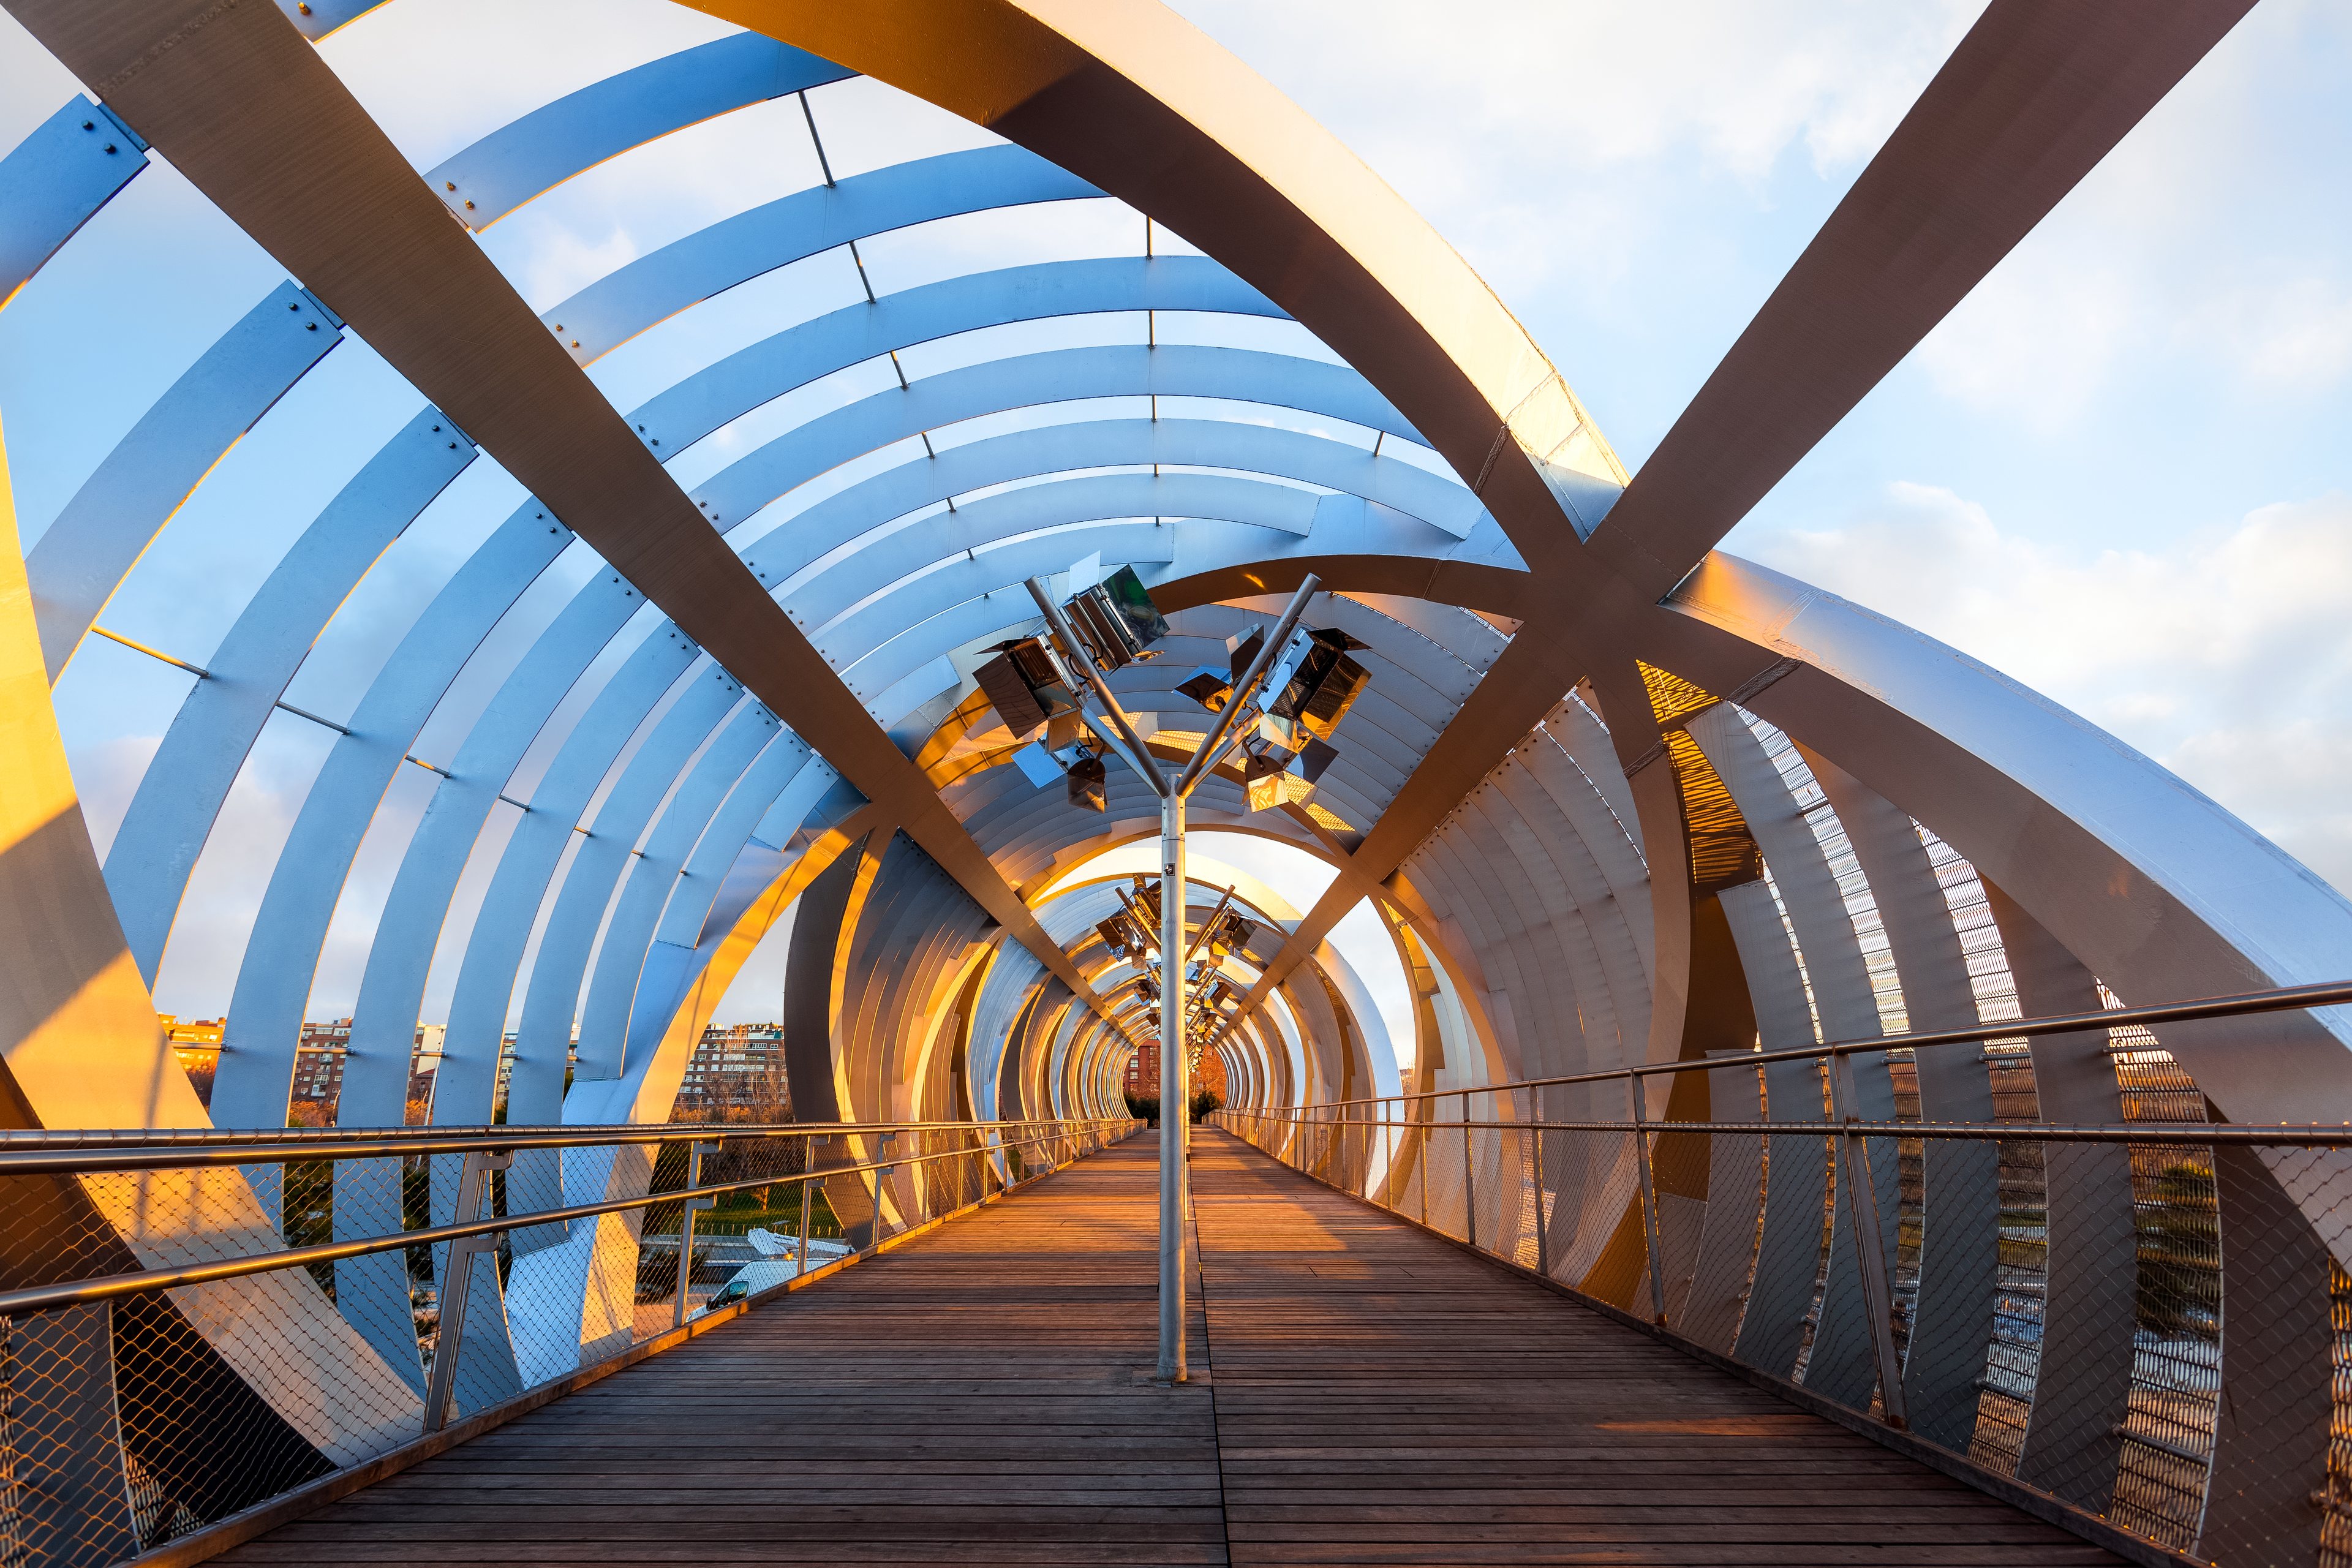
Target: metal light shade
1269, 783
1115, 619
1207, 687
1089, 784
1325, 686
1026, 685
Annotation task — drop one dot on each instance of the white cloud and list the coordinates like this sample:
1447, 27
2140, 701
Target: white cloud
2227, 658
2038, 339
2192, 248
2292, 336
1532, 132
563, 262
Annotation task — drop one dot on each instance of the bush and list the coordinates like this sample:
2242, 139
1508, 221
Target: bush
1147, 1106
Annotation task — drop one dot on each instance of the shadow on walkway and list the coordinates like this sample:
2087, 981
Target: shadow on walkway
980, 1395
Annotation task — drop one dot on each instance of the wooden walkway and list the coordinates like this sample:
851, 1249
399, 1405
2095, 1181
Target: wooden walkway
981, 1396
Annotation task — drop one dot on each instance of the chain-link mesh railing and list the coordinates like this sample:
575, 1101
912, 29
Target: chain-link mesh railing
193, 1323
2150, 1320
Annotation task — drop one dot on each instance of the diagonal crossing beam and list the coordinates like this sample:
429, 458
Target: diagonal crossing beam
2033, 97
243, 106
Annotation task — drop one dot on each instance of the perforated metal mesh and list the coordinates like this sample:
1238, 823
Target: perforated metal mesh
2151, 1328
138, 1410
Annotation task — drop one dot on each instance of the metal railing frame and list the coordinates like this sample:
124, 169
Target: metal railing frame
1849, 1134
77, 1153
1285, 1133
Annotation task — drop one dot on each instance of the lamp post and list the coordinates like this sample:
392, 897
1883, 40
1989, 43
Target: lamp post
1175, 1069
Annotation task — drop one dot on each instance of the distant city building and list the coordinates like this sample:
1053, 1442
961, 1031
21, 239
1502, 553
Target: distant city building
1143, 1071
736, 1074
319, 1068
197, 1043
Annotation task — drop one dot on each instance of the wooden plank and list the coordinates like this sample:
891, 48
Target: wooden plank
1370, 1395
1384, 1397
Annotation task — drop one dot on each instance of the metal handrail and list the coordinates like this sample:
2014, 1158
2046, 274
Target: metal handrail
18, 1149
2316, 1135
2285, 999
79, 1292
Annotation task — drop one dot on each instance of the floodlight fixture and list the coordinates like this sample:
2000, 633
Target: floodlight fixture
1116, 619
1089, 784
1026, 685
1324, 682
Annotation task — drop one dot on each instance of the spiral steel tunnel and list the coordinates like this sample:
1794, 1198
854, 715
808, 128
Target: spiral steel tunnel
598, 682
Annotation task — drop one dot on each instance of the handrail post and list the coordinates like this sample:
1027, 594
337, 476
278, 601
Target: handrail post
695, 1151
1469, 1189
1870, 1255
1649, 1198
1543, 1231
1174, 1088
1420, 1157
808, 1180
457, 1279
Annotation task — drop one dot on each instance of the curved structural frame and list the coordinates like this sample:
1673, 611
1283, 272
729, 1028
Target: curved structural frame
1708, 807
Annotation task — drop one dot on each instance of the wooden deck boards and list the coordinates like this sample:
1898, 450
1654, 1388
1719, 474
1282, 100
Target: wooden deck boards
1383, 1397
1375, 1396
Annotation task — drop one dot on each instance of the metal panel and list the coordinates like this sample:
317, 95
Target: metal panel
1840, 1365
1959, 1251
581, 129
2082, 1392
95, 540
676, 420
235, 104
392, 989
933, 402
1789, 1254
55, 180
180, 795
494, 950
653, 872
865, 506
273, 984
608, 312
778, 792
543, 1044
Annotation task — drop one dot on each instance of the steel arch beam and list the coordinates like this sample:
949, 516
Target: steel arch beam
180, 795
55, 180
76, 564
1133, 100
623, 304
266, 1008
243, 106
525, 159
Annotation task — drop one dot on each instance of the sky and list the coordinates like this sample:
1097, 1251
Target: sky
2117, 472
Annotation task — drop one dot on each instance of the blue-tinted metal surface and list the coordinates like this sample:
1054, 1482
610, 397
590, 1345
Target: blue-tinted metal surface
1037, 381
273, 984
81, 560
676, 420
180, 795
653, 872
678, 950
392, 991
55, 179
615, 308
551, 1002
864, 513
317, 18
400, 956
494, 951
581, 129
